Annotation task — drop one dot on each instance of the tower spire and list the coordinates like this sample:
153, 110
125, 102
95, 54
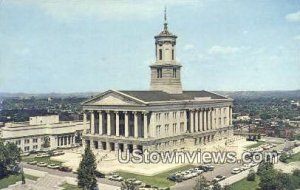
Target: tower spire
166, 23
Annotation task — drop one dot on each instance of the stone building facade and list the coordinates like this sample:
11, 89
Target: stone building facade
31, 135
163, 118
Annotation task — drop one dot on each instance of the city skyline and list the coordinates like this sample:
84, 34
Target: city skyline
54, 46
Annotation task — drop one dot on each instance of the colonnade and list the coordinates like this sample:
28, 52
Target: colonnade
118, 123
65, 140
205, 119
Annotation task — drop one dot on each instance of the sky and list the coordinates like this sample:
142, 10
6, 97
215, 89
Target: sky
93, 45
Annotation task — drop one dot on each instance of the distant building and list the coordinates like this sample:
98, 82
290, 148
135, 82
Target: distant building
31, 135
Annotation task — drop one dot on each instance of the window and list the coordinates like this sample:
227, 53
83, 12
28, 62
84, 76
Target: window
18, 142
27, 141
181, 127
174, 115
167, 129
159, 73
220, 122
160, 54
174, 128
166, 116
35, 147
35, 140
26, 148
157, 130
174, 73
157, 117
172, 54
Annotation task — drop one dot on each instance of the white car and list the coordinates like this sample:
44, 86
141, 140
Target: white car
187, 175
32, 162
115, 177
219, 178
198, 171
42, 164
235, 170
53, 166
245, 167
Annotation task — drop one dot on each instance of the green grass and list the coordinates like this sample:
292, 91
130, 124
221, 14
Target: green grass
244, 184
12, 179
67, 186
44, 159
159, 180
294, 158
256, 145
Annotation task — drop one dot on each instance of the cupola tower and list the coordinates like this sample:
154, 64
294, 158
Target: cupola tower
165, 72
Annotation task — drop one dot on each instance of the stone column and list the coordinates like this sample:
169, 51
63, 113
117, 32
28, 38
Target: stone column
196, 128
58, 141
204, 119
209, 119
136, 134
117, 124
84, 123
108, 123
92, 122
201, 119
100, 122
191, 121
213, 119
126, 124
145, 125
100, 147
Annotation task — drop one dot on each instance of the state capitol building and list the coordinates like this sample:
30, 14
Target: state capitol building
164, 118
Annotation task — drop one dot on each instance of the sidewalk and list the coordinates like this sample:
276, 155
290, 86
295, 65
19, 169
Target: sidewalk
48, 181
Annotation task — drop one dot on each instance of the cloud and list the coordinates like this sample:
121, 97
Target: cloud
188, 47
293, 17
104, 9
223, 50
297, 37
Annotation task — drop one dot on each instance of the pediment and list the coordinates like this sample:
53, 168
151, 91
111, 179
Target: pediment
113, 98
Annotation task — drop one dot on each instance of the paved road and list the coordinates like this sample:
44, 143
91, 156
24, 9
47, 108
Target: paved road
221, 169
68, 174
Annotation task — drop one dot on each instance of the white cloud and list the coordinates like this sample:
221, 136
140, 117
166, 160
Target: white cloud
223, 50
297, 37
293, 17
188, 47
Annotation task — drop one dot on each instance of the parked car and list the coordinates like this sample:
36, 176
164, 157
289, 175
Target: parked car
64, 169
32, 162
25, 154
245, 167
219, 178
58, 153
53, 166
115, 177
186, 175
175, 178
42, 155
235, 170
198, 171
207, 167
42, 164
134, 181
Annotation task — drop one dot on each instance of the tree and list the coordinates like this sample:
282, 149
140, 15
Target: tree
129, 185
9, 156
201, 184
283, 157
86, 171
296, 172
268, 180
216, 186
264, 166
227, 187
251, 175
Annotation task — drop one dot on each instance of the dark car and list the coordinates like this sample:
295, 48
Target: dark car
65, 169
99, 174
175, 178
206, 167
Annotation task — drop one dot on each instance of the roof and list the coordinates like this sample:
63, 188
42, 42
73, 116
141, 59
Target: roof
152, 96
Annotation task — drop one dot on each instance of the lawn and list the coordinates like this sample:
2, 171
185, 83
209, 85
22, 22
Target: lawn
67, 186
256, 145
159, 180
12, 179
44, 159
294, 158
246, 185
